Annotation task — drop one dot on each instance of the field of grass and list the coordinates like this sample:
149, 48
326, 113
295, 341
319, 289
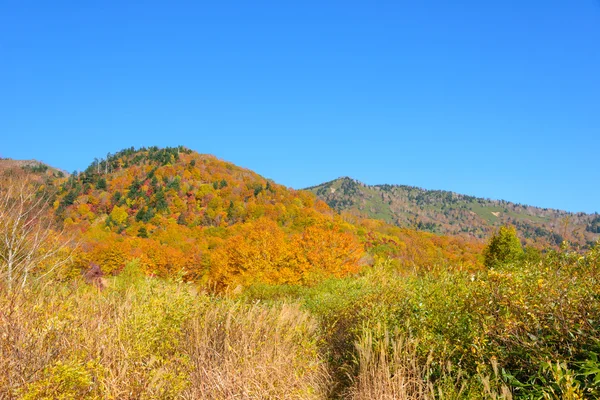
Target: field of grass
150, 338
526, 330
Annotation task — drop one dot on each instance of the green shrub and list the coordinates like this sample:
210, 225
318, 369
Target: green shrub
503, 247
65, 381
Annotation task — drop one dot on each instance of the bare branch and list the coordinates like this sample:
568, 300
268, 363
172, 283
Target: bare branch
28, 242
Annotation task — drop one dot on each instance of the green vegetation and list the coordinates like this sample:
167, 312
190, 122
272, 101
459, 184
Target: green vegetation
594, 225
513, 324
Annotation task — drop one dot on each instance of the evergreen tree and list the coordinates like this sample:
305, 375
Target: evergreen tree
101, 184
142, 232
161, 201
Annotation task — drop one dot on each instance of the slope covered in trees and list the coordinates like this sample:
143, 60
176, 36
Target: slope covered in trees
180, 212
456, 214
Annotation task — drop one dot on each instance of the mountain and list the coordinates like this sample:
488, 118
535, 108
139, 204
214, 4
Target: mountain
175, 211
451, 213
32, 166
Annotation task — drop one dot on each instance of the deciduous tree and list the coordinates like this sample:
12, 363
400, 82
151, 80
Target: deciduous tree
28, 241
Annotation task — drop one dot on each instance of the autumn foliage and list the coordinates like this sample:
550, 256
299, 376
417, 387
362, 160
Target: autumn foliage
261, 252
180, 212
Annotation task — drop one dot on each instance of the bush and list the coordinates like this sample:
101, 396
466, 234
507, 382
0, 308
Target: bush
503, 247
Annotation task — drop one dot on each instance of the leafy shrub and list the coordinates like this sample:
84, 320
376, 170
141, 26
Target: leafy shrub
65, 381
503, 247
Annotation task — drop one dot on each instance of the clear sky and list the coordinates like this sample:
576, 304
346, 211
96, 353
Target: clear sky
496, 99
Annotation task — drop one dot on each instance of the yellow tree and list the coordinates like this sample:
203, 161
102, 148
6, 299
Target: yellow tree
119, 215
325, 251
257, 253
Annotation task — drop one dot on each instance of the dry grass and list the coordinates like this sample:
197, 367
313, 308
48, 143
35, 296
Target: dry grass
77, 342
253, 352
388, 370
153, 339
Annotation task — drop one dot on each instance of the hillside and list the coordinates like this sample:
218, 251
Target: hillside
180, 212
450, 213
32, 166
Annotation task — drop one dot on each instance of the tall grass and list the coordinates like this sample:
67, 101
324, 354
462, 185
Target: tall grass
254, 352
388, 370
525, 330
389, 367
149, 338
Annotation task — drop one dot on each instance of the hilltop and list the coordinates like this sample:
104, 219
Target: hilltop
451, 213
180, 212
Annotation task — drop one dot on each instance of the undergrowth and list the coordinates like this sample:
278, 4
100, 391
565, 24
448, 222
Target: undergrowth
528, 329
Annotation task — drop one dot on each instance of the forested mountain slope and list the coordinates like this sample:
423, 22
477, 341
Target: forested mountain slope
456, 214
179, 212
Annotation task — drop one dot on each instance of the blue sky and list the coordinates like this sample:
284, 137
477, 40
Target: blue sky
496, 99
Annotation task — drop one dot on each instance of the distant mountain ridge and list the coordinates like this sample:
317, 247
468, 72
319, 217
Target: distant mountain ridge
31, 166
451, 213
